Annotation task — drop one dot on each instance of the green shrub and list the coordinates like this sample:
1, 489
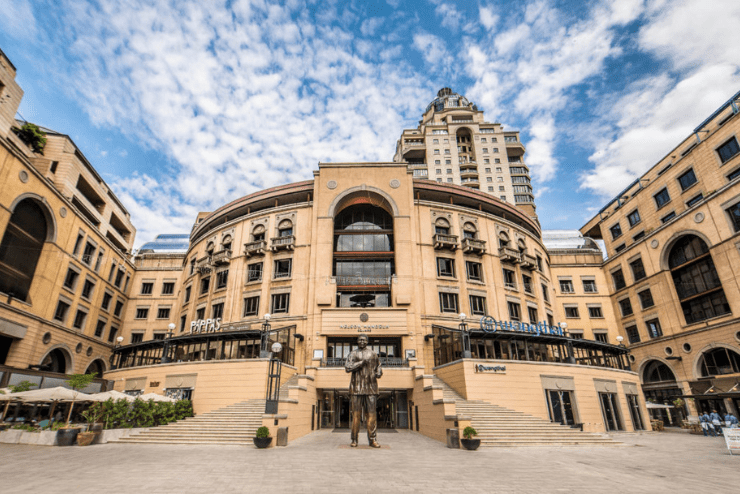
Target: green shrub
183, 409
32, 135
26, 427
22, 386
469, 432
263, 432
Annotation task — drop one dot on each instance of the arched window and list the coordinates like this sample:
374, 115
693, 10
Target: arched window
442, 227
696, 281
55, 361
285, 228
226, 242
469, 231
656, 371
503, 240
210, 247
96, 366
258, 233
21, 247
719, 361
363, 256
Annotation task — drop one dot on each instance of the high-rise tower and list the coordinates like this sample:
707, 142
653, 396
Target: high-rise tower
454, 144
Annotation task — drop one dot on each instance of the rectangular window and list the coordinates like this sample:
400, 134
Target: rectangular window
112, 272
200, 314
620, 247
589, 286
668, 217
638, 236
448, 302
618, 278
545, 295
633, 335
509, 279
532, 315
99, 261
515, 311
137, 337
602, 337
474, 271
732, 176
527, 283
616, 231
89, 254
146, 288
158, 336
477, 305
539, 263
576, 334
571, 312
653, 327
695, 200
254, 272
142, 312
626, 307
119, 278
634, 218
646, 299
71, 279
687, 179
283, 268
662, 198
728, 150
734, 212
638, 270
566, 286
251, 306
61, 313
218, 311
183, 321
79, 321
168, 288
106, 301
78, 244
87, 289
188, 289
445, 267
163, 313
118, 309
222, 278
112, 334
280, 303
595, 313
99, 328
205, 284
54, 164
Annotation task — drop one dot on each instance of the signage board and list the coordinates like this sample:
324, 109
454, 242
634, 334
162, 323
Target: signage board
375, 321
732, 439
490, 325
205, 326
490, 369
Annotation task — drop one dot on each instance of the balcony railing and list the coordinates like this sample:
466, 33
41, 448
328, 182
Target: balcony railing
363, 280
221, 257
474, 245
508, 254
528, 262
203, 265
257, 248
283, 243
384, 362
442, 241
510, 139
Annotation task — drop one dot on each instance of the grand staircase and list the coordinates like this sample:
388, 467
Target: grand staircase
499, 426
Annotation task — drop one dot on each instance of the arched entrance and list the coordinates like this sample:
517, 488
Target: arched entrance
55, 361
97, 366
661, 389
713, 364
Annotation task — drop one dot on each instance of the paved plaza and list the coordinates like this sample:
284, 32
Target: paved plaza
407, 462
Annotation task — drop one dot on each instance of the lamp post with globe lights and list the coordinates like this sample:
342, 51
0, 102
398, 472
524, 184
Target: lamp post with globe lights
273, 382
465, 336
265, 337
166, 345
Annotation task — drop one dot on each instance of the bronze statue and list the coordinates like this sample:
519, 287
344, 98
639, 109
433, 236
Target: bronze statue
364, 365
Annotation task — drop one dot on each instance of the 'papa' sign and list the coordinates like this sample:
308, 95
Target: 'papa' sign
205, 325
490, 325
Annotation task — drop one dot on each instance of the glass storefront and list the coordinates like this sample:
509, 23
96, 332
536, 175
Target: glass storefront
560, 406
392, 409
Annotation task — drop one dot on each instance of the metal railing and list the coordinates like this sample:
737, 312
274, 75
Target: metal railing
287, 242
384, 362
363, 280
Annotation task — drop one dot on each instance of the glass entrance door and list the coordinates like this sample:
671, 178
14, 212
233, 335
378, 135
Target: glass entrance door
343, 415
634, 405
560, 404
610, 412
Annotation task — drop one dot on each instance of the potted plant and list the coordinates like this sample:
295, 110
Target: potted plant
67, 435
467, 441
263, 438
92, 415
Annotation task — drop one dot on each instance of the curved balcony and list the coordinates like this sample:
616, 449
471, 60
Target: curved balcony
528, 262
257, 248
442, 241
221, 257
509, 255
471, 182
474, 246
468, 171
283, 243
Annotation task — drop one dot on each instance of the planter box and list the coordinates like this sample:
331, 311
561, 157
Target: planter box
44, 438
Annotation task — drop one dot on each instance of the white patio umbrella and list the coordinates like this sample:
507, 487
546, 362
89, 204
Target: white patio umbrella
52, 394
155, 397
658, 406
114, 395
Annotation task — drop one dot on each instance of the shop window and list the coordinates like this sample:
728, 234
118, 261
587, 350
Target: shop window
168, 288
566, 286
478, 305
474, 271
146, 288
662, 198
687, 179
282, 268
571, 312
515, 311
280, 303
633, 335
625, 306
251, 306
638, 269
254, 272
222, 278
654, 329
646, 299
618, 278
448, 302
445, 267
728, 150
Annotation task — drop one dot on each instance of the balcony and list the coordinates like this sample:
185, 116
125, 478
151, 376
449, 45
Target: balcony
470, 182
203, 265
509, 255
221, 257
529, 262
442, 241
514, 148
468, 171
283, 243
474, 246
257, 248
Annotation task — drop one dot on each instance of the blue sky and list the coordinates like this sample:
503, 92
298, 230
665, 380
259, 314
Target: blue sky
183, 106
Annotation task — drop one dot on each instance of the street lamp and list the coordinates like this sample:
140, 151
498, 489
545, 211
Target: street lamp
620, 339
166, 345
119, 340
273, 382
265, 337
465, 336
571, 359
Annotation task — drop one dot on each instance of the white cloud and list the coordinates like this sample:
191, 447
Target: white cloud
433, 50
451, 18
370, 26
16, 18
487, 17
541, 147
